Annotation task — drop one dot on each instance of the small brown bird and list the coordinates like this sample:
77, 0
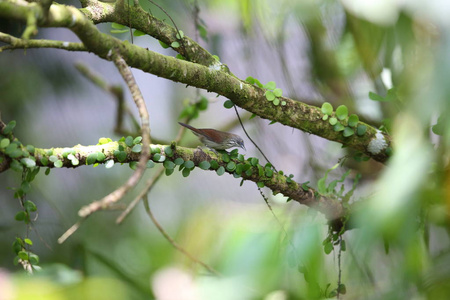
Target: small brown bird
216, 139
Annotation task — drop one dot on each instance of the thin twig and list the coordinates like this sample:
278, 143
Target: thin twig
70, 231
150, 183
174, 25
18, 43
339, 267
173, 242
116, 195
248, 136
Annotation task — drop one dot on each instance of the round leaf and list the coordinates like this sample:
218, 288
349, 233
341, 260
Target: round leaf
228, 104
270, 85
269, 95
353, 120
204, 165
333, 121
277, 92
348, 131
361, 129
220, 171
342, 112
327, 108
338, 127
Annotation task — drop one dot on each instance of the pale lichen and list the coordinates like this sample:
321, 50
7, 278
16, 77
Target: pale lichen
377, 144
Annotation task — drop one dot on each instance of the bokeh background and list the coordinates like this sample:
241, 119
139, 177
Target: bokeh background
309, 50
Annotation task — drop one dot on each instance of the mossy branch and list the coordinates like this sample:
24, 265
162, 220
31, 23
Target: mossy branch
249, 97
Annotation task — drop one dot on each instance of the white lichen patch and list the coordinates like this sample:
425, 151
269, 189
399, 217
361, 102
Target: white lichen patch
217, 66
109, 53
241, 85
377, 144
65, 44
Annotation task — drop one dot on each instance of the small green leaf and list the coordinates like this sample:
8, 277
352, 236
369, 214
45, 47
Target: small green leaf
23, 255
231, 166
180, 34
225, 157
270, 85
28, 241
175, 45
118, 26
361, 129
47, 171
169, 164
333, 121
328, 247
202, 104
4, 143
186, 172
34, 259
91, 159
44, 161
119, 31
277, 92
138, 33
220, 171
168, 151
305, 186
189, 164
375, 97
133, 165
156, 157
338, 127
348, 131
276, 101
129, 141
9, 128
137, 148
20, 216
325, 117
164, 45
16, 166
58, 164
150, 164
102, 141
178, 161
203, 32
137, 140
269, 95
121, 156
214, 164
100, 157
30, 148
228, 104
327, 108
169, 171
29, 206
204, 165
342, 112
268, 172
353, 120
260, 184
250, 80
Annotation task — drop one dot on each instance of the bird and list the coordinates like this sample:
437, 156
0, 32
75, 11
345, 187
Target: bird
216, 139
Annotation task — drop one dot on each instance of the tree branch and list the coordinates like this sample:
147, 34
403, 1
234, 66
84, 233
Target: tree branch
373, 143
